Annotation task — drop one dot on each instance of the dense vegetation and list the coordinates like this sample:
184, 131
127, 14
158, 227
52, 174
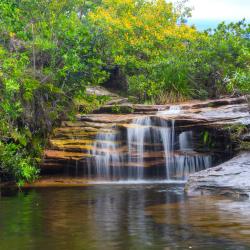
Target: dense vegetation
51, 50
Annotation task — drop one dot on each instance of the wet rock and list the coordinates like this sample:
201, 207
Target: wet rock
128, 108
107, 118
230, 178
74, 139
233, 111
220, 102
246, 137
83, 124
62, 133
64, 155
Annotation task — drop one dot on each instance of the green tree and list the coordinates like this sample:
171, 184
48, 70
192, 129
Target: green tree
145, 48
220, 60
47, 58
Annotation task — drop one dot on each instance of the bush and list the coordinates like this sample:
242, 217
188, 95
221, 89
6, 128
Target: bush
240, 82
17, 163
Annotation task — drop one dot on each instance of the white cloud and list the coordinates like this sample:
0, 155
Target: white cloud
220, 9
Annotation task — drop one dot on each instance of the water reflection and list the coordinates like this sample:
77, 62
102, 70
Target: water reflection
119, 217
211, 216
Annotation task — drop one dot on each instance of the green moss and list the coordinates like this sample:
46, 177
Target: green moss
116, 109
132, 99
91, 103
236, 131
245, 145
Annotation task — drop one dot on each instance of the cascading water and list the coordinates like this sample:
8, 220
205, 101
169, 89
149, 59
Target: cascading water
189, 161
173, 110
108, 158
149, 148
136, 135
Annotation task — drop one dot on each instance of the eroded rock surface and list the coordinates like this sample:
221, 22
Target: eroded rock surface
230, 178
71, 144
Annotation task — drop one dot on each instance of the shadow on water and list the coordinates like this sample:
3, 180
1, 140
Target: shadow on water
149, 216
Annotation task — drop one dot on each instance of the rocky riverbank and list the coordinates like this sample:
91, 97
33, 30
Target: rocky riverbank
231, 178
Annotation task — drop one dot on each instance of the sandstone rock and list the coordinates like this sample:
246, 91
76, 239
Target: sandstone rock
128, 108
63, 155
74, 139
117, 101
110, 119
99, 91
230, 178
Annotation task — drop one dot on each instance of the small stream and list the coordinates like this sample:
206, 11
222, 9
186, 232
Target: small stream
142, 216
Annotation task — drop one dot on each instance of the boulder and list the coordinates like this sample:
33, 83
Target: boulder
230, 178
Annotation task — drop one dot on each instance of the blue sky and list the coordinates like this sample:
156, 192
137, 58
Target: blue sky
208, 13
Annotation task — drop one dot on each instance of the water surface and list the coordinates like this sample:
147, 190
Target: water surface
146, 216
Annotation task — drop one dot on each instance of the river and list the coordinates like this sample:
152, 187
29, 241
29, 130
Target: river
115, 216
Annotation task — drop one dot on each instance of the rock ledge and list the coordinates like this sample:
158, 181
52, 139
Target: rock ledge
231, 178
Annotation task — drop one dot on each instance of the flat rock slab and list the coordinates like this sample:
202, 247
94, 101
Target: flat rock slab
100, 91
64, 155
222, 111
107, 118
124, 107
117, 101
230, 178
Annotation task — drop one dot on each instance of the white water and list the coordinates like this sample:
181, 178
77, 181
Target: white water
106, 155
138, 182
173, 110
135, 139
150, 148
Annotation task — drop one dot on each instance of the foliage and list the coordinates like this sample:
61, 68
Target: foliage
240, 81
120, 109
144, 47
236, 131
15, 161
245, 145
46, 59
164, 55
51, 50
220, 60
91, 103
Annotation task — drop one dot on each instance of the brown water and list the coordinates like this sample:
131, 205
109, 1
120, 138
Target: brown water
149, 216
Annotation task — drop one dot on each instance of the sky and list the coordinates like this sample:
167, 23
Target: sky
208, 13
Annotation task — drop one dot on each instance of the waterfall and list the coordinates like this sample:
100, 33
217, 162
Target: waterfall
108, 160
150, 147
189, 161
173, 110
136, 135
